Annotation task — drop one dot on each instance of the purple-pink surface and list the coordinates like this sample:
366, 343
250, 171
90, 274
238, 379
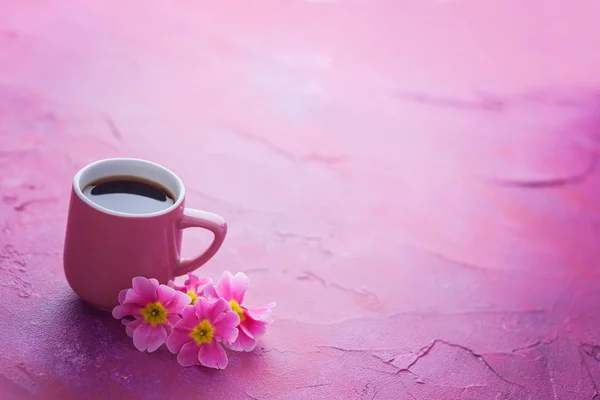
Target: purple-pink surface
415, 183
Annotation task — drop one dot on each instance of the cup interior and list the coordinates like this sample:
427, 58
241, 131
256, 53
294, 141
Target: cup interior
133, 167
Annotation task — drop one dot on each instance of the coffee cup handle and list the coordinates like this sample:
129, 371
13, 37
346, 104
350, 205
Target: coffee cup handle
201, 219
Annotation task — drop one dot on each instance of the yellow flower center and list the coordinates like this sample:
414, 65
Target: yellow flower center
239, 310
193, 295
203, 332
154, 314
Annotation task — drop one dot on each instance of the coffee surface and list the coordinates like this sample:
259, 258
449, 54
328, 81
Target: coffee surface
129, 195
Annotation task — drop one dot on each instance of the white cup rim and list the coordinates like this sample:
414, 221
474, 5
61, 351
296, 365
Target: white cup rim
136, 167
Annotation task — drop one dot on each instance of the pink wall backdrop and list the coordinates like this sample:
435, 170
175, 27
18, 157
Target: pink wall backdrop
415, 183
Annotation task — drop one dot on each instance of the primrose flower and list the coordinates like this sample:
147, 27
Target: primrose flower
197, 337
193, 286
155, 309
253, 321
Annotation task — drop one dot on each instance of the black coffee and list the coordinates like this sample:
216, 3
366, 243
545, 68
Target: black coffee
129, 195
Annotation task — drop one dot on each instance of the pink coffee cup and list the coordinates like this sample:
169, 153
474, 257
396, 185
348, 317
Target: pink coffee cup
105, 249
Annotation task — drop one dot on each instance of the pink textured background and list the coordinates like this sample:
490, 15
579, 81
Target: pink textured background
414, 182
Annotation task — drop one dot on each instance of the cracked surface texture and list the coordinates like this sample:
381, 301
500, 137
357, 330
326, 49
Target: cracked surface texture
415, 183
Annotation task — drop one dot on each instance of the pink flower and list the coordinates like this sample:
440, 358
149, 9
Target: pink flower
155, 309
197, 337
253, 322
193, 286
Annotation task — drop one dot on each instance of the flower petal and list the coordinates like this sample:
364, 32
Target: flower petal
210, 309
201, 308
131, 326
177, 339
142, 293
226, 326
243, 343
210, 292
216, 309
178, 302
148, 337
125, 310
223, 286
239, 285
173, 318
145, 288
141, 337
118, 312
262, 313
212, 355
180, 332
168, 327
156, 338
122, 294
154, 283
190, 319
179, 288
165, 294
188, 355
196, 283
253, 328
133, 297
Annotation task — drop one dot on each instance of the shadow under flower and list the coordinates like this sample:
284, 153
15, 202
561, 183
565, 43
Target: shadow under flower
89, 351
